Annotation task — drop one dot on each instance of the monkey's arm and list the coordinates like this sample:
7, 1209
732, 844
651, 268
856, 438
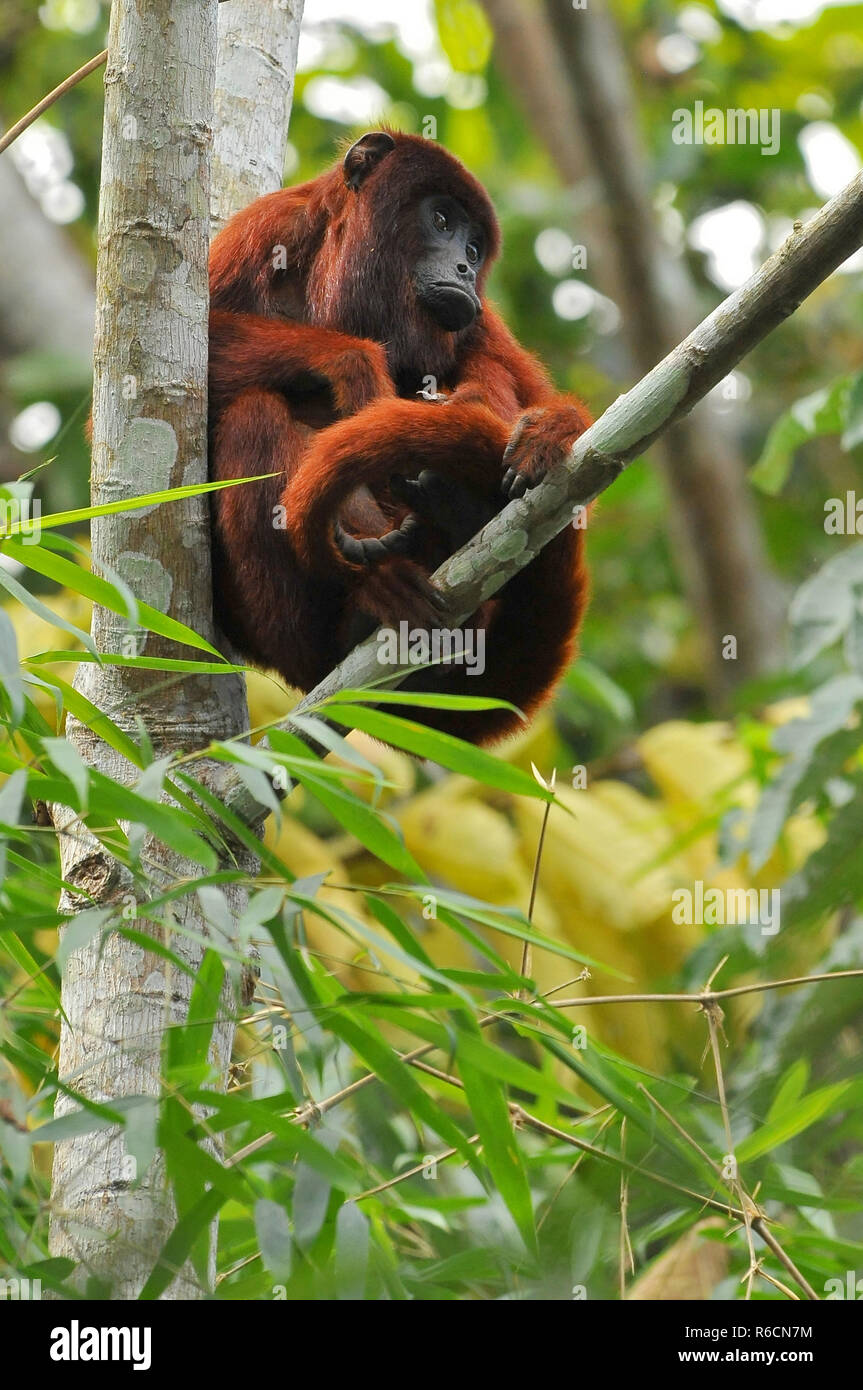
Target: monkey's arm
511, 382
248, 351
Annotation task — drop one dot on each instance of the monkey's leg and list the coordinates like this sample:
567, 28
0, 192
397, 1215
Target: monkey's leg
266, 603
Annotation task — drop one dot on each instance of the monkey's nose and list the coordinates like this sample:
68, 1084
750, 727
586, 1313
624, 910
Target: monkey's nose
462, 268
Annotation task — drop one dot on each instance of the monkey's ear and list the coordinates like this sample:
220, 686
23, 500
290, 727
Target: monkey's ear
364, 155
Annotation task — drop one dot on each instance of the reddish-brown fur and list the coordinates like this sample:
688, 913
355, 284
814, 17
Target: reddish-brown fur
318, 348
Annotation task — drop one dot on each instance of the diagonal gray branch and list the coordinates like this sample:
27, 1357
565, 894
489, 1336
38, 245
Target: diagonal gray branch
630, 425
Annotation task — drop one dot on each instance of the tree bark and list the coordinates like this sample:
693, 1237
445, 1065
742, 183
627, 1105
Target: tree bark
254, 92
149, 432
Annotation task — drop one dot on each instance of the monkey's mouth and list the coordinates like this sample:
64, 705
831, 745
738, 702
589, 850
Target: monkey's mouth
451, 305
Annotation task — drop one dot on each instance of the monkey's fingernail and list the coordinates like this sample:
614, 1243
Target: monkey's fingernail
351, 548
519, 487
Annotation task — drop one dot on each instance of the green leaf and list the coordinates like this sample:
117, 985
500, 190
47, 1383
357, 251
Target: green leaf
852, 435
793, 1120
791, 1088
821, 413
35, 605
421, 699
833, 875
352, 1252
273, 1229
823, 608
143, 663
368, 1044
377, 832
42, 986
811, 764
491, 1118
262, 1117
441, 748
598, 690
82, 581
509, 922
126, 506
189, 1044
10, 675
92, 718
465, 34
505, 1067
178, 1246
67, 760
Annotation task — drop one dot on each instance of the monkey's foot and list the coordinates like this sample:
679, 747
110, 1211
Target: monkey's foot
400, 591
446, 504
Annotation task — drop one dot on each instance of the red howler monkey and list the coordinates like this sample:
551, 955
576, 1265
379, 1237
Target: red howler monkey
332, 305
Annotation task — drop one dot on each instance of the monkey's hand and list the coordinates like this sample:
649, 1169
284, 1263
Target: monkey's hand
358, 375
541, 438
452, 510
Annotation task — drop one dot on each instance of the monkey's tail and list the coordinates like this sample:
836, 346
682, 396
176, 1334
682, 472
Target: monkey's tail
464, 441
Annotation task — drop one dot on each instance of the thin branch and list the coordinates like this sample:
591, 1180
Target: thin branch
758, 1221
761, 1229
527, 950
65, 86
542, 1127
713, 1014
708, 996
625, 1255
315, 1109
410, 1172
20, 126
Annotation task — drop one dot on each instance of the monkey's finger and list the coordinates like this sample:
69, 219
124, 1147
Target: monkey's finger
407, 490
426, 494
514, 484
513, 444
401, 542
350, 546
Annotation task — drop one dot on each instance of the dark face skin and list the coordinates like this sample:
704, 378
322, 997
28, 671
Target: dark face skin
453, 252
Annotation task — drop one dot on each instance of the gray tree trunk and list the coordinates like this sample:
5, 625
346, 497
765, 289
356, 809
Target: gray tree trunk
254, 92
149, 432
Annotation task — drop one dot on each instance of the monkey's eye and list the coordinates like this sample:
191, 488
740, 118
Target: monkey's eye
440, 221
472, 251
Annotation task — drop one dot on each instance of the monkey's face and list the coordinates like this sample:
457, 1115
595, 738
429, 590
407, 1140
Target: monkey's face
445, 273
